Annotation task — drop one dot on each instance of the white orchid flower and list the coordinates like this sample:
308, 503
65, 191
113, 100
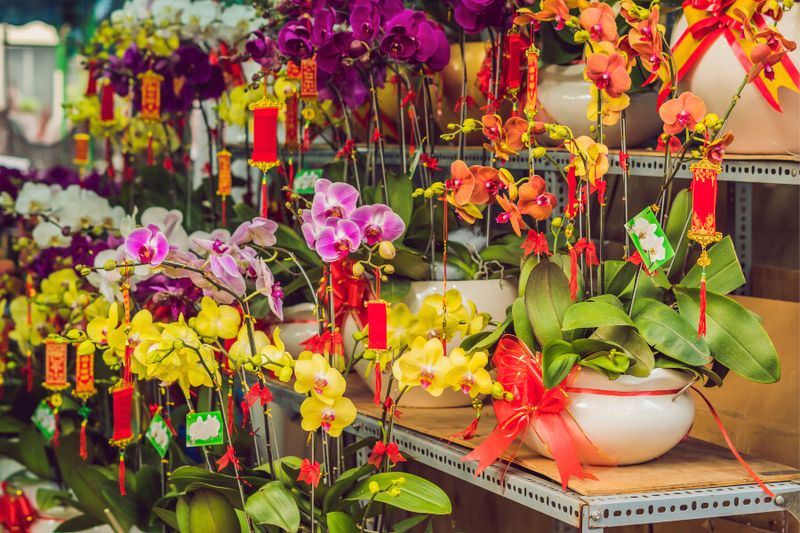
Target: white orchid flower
48, 235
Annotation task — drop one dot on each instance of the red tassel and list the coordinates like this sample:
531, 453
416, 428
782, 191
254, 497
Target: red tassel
573, 273
469, 432
55, 431
306, 138
122, 474
224, 211
264, 196
150, 155
109, 155
701, 325
376, 399
29, 373
245, 413
83, 451
572, 185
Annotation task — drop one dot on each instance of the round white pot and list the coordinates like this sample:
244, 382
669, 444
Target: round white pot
629, 430
490, 296
757, 127
299, 324
564, 96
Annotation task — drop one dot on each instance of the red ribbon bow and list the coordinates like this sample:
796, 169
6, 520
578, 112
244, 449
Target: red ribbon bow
309, 472
227, 459
533, 408
391, 450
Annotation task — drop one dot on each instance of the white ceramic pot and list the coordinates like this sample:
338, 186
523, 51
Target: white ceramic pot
757, 127
564, 97
629, 430
490, 296
299, 324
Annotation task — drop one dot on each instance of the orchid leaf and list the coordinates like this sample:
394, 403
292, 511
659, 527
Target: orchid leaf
417, 495
723, 275
522, 326
595, 314
547, 299
339, 522
558, 358
629, 341
736, 339
670, 333
273, 504
676, 229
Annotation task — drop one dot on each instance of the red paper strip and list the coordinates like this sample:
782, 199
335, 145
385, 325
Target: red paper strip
376, 319
55, 366
514, 45
151, 96
265, 134
308, 78
704, 201
107, 104
225, 180
81, 149
84, 376
292, 71
123, 399
292, 104
533, 82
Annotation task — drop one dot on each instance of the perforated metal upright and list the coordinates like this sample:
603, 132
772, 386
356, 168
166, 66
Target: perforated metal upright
588, 514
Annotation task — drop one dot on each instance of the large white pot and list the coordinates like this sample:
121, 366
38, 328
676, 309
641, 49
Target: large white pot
299, 324
629, 429
564, 97
490, 296
757, 127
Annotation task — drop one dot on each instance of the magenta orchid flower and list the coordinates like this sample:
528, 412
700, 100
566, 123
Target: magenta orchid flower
378, 223
223, 264
260, 231
147, 245
332, 200
266, 285
337, 239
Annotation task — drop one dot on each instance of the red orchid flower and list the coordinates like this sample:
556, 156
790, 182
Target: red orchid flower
715, 152
309, 472
599, 20
609, 72
510, 214
683, 112
534, 201
429, 162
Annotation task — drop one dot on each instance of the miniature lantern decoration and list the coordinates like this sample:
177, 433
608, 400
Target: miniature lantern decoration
224, 180
151, 96
81, 149
308, 79
265, 142
55, 366
107, 104
84, 376
514, 45
533, 81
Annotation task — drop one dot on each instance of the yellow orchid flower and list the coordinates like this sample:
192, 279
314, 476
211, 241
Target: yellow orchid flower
468, 373
276, 359
612, 107
26, 335
240, 351
423, 365
216, 320
313, 374
399, 322
332, 418
100, 327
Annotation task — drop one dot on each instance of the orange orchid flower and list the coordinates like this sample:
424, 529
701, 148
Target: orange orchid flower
534, 201
609, 72
553, 10
505, 140
591, 161
489, 182
511, 214
715, 151
683, 112
461, 183
600, 21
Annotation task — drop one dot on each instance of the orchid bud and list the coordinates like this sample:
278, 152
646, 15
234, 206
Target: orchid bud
256, 360
395, 491
508, 396
85, 271
374, 488
109, 265
581, 36
369, 355
497, 390
387, 250
557, 222
389, 269
539, 152
452, 126
400, 480
419, 191
285, 374
788, 4
700, 127
470, 125
358, 270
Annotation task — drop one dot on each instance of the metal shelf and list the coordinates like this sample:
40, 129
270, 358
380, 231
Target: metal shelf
588, 514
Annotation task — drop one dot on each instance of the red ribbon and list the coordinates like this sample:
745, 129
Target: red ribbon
309, 472
536, 408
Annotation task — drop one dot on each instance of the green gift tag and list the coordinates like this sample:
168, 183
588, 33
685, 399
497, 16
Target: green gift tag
159, 435
204, 429
649, 239
305, 180
44, 419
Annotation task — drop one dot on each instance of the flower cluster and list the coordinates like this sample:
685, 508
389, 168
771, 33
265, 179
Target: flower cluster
335, 227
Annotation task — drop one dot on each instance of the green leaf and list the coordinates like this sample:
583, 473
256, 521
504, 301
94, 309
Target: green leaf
9, 425
410, 264
395, 290
85, 482
49, 498
677, 226
82, 522
289, 239
723, 275
417, 495
547, 300
491, 339
623, 278
507, 254
344, 482
736, 339
400, 199
670, 333
586, 347
607, 299
558, 358
339, 522
699, 371
170, 518
182, 515
244, 212
522, 326
595, 315
525, 271
404, 525
274, 505
210, 511
34, 455
632, 344
469, 342
612, 363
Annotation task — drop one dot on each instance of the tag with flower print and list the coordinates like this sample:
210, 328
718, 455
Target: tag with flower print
44, 419
649, 239
159, 435
306, 179
204, 429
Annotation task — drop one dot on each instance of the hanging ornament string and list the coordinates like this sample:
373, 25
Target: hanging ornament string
444, 273
30, 292
122, 392
377, 312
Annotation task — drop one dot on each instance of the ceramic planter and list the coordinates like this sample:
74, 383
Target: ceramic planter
299, 324
490, 296
629, 429
564, 97
757, 126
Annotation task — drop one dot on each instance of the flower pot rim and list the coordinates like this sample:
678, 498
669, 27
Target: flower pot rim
660, 379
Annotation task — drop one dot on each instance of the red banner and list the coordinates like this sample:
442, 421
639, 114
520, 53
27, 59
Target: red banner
533, 82
704, 202
265, 134
225, 180
122, 399
514, 45
84, 376
376, 320
107, 104
292, 104
55, 374
151, 96
81, 149
308, 78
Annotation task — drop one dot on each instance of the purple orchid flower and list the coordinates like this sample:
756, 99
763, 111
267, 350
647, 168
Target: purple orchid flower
294, 40
260, 231
378, 223
223, 264
147, 245
337, 239
342, 50
332, 200
192, 64
412, 38
266, 285
365, 18
476, 15
324, 19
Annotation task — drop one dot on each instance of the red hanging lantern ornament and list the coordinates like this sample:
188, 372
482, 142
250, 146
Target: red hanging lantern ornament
514, 44
531, 94
150, 96
84, 389
377, 312
224, 180
122, 393
82, 151
704, 222
292, 118
55, 377
265, 142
